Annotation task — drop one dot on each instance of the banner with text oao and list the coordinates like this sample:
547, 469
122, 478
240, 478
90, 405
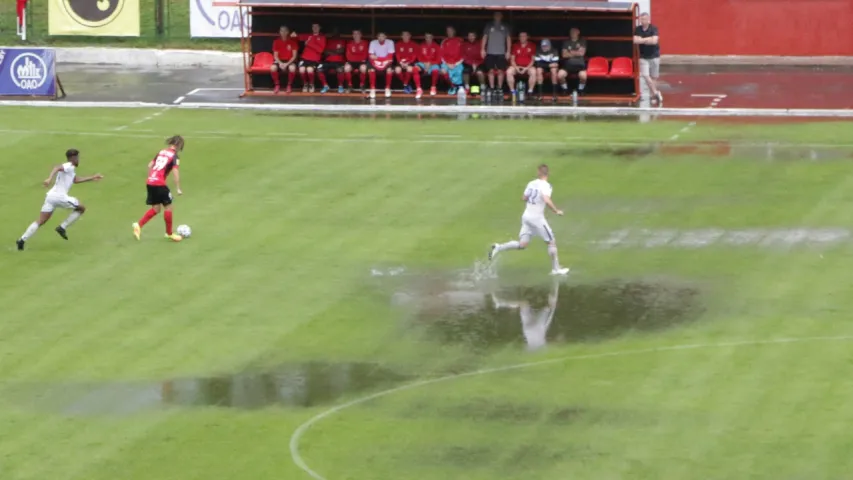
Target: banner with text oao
99, 18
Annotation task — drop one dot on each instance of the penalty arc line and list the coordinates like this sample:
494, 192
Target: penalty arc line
303, 428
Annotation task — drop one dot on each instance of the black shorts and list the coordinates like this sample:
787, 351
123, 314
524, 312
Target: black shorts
281, 67
574, 67
308, 63
330, 66
495, 62
158, 195
469, 69
546, 65
357, 65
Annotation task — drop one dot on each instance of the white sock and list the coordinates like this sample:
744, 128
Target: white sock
31, 230
555, 262
71, 219
510, 245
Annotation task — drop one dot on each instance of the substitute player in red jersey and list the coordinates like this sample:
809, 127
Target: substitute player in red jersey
521, 64
284, 50
312, 55
336, 48
357, 51
451, 60
407, 56
429, 62
381, 53
159, 196
472, 59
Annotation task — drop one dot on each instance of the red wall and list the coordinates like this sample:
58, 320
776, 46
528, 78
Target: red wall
754, 27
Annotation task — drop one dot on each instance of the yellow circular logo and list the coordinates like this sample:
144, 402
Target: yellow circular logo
93, 13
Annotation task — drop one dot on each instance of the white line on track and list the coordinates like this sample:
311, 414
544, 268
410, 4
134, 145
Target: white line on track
716, 99
142, 120
300, 431
179, 100
192, 92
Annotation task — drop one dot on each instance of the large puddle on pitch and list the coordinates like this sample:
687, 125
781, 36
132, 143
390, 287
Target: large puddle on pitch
296, 385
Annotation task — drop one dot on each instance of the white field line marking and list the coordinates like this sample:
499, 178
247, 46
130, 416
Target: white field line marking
300, 431
143, 120
282, 137
192, 92
717, 98
441, 136
179, 100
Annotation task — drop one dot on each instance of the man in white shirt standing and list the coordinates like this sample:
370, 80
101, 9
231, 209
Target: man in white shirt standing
57, 197
537, 195
381, 53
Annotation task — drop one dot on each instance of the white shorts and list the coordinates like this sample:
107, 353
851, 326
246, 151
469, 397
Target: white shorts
650, 67
54, 201
536, 227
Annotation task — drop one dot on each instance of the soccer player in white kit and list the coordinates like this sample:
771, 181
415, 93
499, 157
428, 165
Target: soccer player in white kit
57, 197
537, 195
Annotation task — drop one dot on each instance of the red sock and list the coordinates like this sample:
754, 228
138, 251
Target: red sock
404, 77
417, 76
311, 78
340, 79
274, 74
372, 74
363, 79
167, 215
389, 76
148, 216
434, 78
348, 75
323, 79
304, 78
290, 77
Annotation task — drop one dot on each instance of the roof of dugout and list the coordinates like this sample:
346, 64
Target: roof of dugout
561, 5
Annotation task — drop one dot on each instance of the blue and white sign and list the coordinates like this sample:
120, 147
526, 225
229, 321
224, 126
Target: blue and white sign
27, 72
209, 21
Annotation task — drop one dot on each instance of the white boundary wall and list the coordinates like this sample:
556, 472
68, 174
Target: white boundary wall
454, 109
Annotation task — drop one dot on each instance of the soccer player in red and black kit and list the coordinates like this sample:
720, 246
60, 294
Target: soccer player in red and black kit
472, 59
284, 50
336, 48
429, 62
357, 51
159, 196
407, 56
312, 55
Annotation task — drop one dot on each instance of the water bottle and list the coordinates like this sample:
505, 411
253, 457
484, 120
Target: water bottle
575, 98
461, 96
522, 93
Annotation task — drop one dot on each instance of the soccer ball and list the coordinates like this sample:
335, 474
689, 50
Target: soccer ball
184, 231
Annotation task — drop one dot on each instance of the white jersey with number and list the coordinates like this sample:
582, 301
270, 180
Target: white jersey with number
64, 180
535, 192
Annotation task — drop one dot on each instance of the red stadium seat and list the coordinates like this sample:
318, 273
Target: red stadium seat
622, 67
597, 67
262, 63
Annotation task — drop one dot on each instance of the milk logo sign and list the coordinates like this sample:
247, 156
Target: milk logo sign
207, 20
28, 71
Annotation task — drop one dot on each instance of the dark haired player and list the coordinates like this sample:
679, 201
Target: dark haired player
159, 196
57, 197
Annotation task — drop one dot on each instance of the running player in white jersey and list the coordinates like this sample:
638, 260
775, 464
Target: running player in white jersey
57, 197
537, 195
534, 322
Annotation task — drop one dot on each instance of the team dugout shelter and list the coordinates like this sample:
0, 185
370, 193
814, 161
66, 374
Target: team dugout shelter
607, 27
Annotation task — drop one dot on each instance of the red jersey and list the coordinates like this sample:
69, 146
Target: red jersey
451, 50
162, 166
357, 51
285, 48
523, 54
314, 47
471, 53
429, 53
333, 46
407, 52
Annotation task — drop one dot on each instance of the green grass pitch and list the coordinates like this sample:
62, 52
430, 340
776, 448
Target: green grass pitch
704, 332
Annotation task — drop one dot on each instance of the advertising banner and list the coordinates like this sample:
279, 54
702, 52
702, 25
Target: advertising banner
96, 18
209, 21
27, 72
